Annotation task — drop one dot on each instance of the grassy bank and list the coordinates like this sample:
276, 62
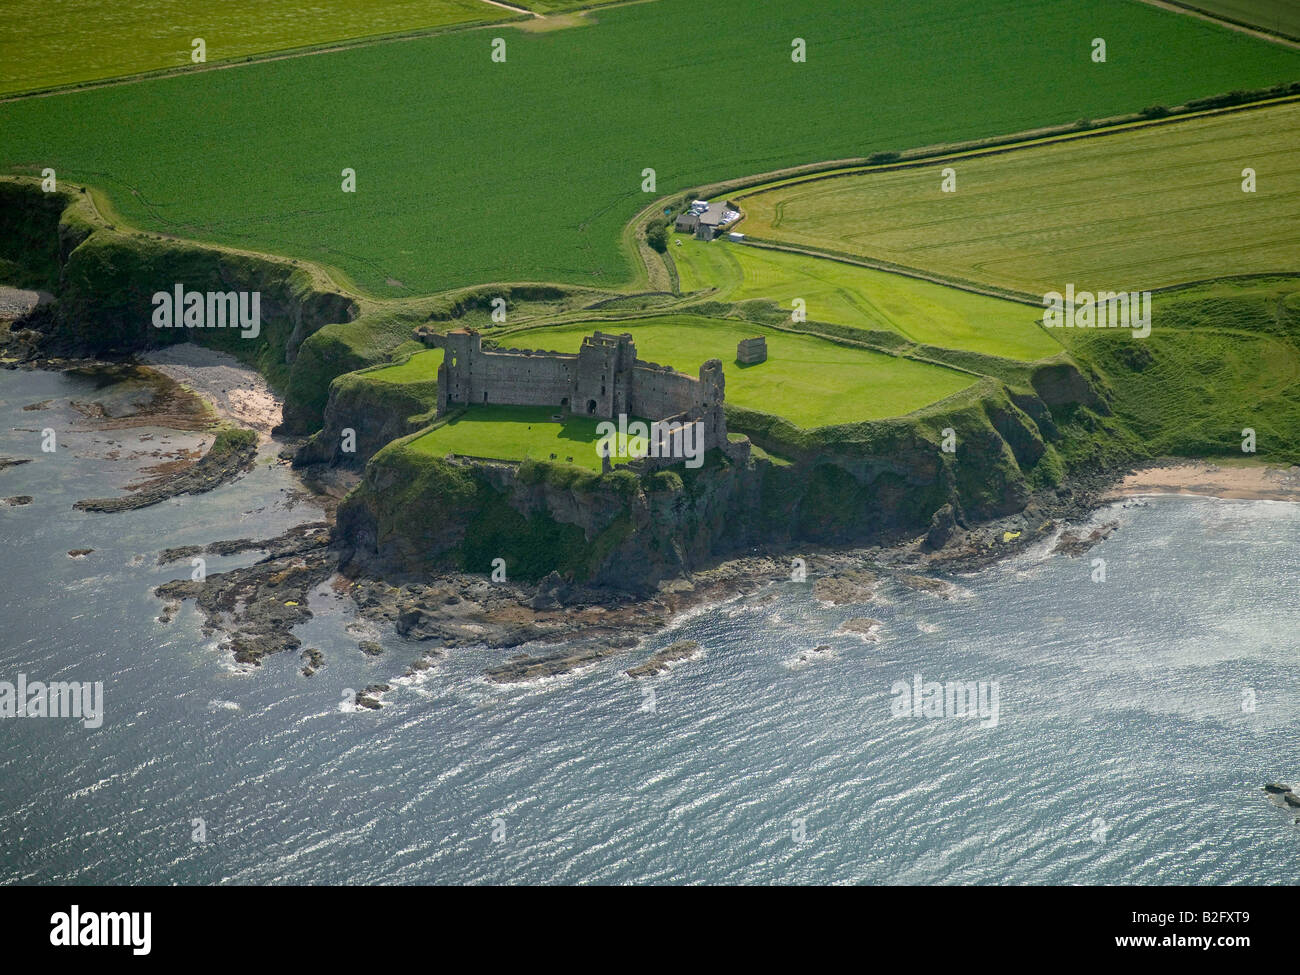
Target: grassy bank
1221, 358
514, 433
843, 294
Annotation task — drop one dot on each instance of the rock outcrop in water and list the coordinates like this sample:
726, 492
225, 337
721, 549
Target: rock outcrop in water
661, 660
258, 606
231, 454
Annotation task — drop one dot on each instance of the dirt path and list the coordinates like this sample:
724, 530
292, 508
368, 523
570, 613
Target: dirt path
511, 7
1178, 8
554, 21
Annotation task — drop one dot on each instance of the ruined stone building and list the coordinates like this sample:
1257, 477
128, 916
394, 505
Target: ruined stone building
750, 352
603, 380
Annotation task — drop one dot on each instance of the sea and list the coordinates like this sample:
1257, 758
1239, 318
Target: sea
1144, 693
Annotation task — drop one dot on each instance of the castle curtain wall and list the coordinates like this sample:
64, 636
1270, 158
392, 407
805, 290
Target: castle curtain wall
605, 380
519, 379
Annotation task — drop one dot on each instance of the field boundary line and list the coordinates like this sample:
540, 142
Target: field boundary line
926, 157
264, 57
524, 16
873, 264
1229, 278
1255, 30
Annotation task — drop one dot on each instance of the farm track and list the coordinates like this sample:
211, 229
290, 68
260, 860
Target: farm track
513, 9
1188, 10
987, 291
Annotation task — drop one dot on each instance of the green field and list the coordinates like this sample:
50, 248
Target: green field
67, 41
420, 367
1223, 357
809, 381
470, 171
1278, 16
1131, 211
514, 433
843, 294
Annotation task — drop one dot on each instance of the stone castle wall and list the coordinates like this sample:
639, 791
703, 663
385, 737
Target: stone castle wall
513, 379
604, 379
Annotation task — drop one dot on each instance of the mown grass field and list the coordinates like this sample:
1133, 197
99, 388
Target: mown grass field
513, 433
809, 381
1279, 16
419, 368
63, 42
843, 294
470, 171
1135, 210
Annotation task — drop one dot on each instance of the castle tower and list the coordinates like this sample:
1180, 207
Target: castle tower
713, 389
456, 375
602, 383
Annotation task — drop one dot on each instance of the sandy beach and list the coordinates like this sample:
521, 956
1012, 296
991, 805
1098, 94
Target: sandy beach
1255, 482
236, 392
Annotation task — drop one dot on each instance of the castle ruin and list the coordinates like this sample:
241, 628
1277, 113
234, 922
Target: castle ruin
603, 380
750, 352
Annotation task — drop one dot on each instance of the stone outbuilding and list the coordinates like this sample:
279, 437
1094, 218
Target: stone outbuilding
750, 352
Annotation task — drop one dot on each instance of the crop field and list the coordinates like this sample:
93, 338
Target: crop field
62, 42
471, 171
514, 433
843, 294
809, 381
1278, 16
1135, 210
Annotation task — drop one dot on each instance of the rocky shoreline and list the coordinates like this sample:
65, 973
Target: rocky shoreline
663, 660
257, 607
169, 405
228, 457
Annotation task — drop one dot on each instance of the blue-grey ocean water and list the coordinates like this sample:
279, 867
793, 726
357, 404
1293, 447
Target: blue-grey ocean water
1138, 718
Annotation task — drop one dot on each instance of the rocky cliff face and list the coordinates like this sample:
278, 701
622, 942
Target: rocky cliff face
375, 412
108, 280
413, 514
866, 484
104, 279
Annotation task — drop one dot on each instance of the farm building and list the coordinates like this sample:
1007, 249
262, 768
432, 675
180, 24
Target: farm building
706, 220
